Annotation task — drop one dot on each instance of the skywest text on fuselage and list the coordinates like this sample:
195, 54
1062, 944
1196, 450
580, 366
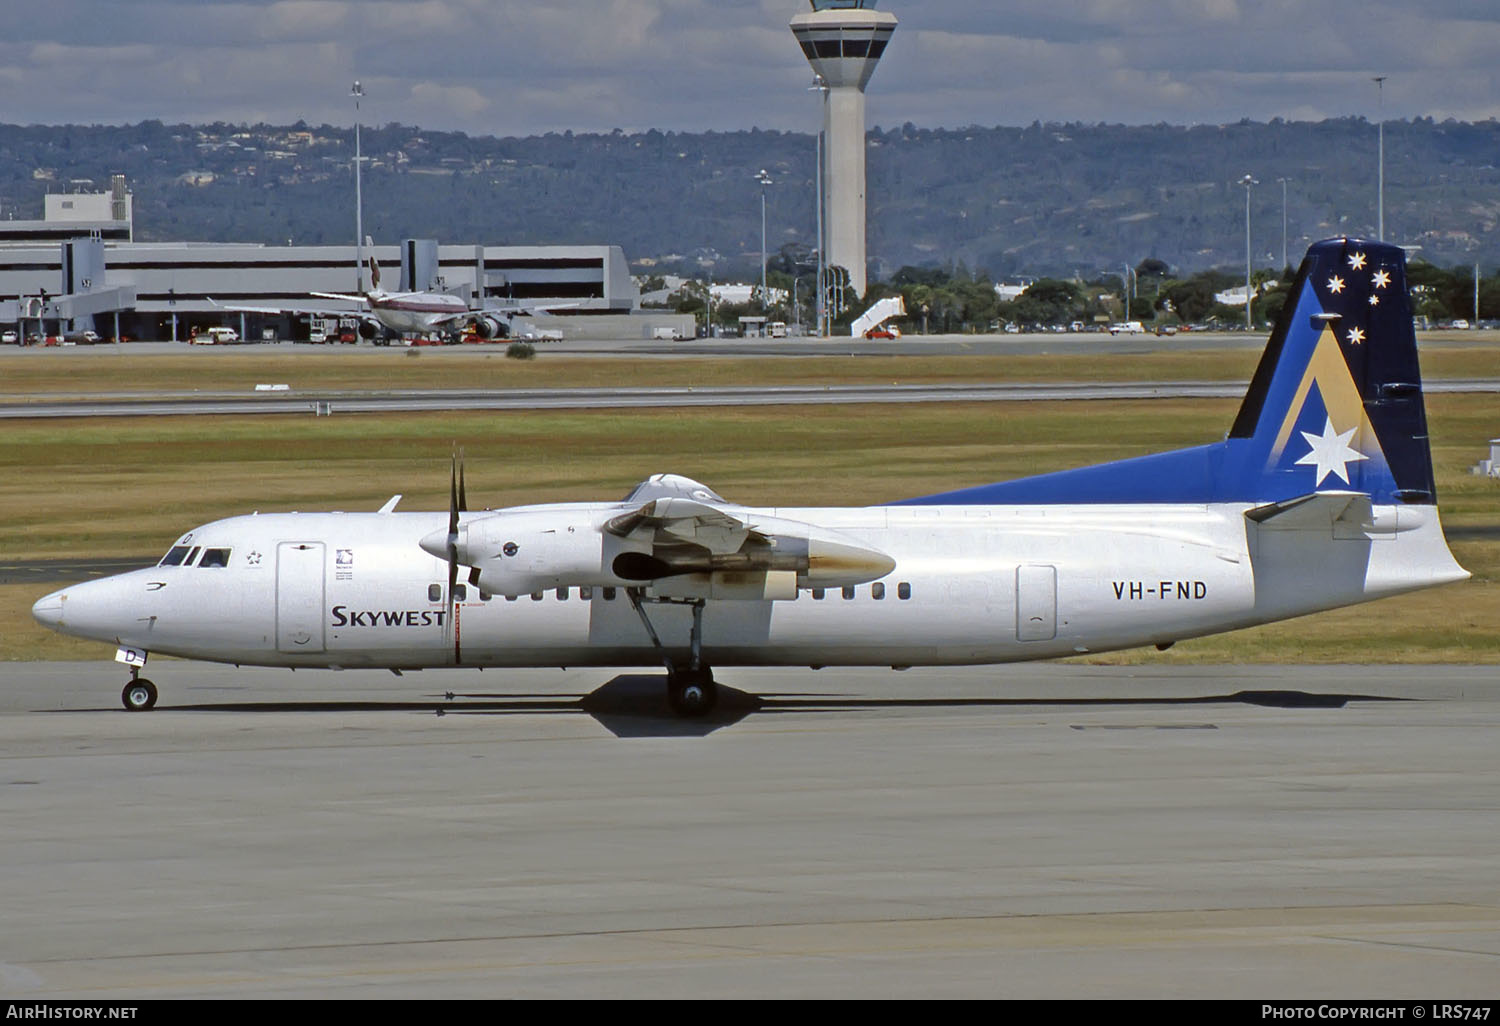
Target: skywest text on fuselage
343, 616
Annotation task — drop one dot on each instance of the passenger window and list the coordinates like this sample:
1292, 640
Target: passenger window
484, 596
511, 598
215, 557
562, 594
174, 556
460, 593
817, 594
877, 591
434, 593
536, 596
903, 590
586, 593
609, 594
848, 591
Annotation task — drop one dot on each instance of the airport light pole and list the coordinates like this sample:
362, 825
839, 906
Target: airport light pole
359, 208
1249, 183
822, 87
1283, 222
1379, 81
764, 179
822, 302
708, 303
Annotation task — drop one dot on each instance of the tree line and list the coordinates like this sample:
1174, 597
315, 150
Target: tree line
954, 300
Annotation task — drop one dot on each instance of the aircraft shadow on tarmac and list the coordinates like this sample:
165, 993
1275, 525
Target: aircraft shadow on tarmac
635, 705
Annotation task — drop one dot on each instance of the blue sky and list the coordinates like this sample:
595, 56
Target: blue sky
503, 67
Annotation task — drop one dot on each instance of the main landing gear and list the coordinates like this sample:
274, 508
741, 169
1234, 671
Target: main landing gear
140, 694
691, 691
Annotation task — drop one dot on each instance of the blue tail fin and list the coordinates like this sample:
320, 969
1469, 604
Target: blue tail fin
1337, 394
1336, 403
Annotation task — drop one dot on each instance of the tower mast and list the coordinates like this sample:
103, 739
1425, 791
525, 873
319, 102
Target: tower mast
844, 40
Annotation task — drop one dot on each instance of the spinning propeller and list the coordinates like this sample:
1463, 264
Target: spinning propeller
458, 502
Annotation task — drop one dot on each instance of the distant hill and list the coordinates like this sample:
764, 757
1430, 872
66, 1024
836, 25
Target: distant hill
1046, 199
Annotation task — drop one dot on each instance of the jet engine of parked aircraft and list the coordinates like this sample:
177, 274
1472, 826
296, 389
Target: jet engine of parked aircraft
491, 327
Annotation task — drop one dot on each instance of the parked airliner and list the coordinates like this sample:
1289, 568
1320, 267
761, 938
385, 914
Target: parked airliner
422, 312
1321, 495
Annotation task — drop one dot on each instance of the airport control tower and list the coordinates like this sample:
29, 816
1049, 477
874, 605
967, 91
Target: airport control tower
843, 40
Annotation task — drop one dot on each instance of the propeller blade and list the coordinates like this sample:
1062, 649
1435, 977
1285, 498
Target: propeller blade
452, 536
463, 496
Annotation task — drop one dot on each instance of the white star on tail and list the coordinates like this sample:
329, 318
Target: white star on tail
1330, 453
1357, 261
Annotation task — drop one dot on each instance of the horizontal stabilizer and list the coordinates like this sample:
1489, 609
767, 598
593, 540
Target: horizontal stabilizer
1316, 511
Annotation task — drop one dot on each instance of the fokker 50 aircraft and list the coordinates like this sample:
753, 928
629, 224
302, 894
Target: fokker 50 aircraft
1321, 495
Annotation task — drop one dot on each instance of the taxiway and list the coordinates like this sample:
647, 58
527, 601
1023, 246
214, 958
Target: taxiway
1025, 831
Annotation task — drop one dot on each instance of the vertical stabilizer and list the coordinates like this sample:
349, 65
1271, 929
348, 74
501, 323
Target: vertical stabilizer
1337, 399
1335, 405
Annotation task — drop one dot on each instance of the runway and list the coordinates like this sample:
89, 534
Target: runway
676, 397
1029, 831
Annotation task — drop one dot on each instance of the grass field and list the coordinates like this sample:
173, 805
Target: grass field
129, 486
37, 373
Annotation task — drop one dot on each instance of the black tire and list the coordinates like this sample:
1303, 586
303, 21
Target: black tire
692, 694
139, 695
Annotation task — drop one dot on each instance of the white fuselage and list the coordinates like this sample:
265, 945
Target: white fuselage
972, 584
418, 313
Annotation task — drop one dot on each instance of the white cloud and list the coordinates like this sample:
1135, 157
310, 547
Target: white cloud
520, 67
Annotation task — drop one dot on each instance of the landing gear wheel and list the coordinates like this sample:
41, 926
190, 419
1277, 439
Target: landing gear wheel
139, 695
692, 694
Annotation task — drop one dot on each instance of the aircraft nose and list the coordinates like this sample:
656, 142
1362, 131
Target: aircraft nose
48, 610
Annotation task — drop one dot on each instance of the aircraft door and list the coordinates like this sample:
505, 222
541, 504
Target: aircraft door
1036, 603
299, 597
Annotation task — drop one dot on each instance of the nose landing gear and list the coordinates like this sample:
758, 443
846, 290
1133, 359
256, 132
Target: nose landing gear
140, 694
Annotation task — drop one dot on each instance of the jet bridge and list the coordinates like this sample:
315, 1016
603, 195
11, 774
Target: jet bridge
83, 294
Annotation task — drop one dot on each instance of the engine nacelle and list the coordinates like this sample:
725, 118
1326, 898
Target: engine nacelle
370, 330
490, 327
520, 553
527, 551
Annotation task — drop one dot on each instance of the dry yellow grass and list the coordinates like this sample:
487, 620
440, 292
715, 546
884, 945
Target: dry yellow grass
34, 373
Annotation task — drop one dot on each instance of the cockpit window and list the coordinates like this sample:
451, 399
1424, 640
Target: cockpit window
192, 557
175, 555
214, 557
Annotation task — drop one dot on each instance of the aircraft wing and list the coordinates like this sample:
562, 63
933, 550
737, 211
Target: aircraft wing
524, 309
361, 300
676, 522
674, 525
293, 310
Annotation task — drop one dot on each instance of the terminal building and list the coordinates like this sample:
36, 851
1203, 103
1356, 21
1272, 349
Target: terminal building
80, 269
